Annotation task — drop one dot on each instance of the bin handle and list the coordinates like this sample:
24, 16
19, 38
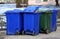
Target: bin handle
36, 11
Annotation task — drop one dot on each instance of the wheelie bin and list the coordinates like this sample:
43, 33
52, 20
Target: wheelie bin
45, 20
14, 22
31, 20
54, 11
54, 19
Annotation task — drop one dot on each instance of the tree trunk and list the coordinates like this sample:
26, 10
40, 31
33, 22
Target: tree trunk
19, 2
57, 4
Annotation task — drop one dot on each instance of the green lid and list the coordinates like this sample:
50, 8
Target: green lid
47, 10
43, 9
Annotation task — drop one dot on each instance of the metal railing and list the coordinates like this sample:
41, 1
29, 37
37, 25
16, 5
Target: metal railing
2, 22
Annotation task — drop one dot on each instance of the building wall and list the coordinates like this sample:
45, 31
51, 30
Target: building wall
33, 2
11, 1
51, 2
8, 1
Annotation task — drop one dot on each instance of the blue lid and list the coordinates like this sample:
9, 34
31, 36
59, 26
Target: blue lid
31, 8
13, 11
17, 10
9, 11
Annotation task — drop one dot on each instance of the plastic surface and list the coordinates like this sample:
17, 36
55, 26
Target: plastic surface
54, 15
31, 21
31, 8
14, 22
43, 9
54, 19
45, 21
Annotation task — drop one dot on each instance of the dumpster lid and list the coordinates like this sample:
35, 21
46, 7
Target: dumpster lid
14, 11
31, 8
17, 10
44, 9
53, 9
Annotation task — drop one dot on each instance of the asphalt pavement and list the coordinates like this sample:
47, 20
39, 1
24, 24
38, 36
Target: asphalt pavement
52, 35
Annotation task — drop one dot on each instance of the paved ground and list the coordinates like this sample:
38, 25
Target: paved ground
53, 35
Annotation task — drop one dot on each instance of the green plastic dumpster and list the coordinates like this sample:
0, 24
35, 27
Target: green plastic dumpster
45, 20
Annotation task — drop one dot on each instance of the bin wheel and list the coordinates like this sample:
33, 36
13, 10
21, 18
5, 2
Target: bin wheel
33, 34
17, 33
47, 31
23, 32
55, 28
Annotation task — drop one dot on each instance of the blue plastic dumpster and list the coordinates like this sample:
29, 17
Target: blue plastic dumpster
54, 19
31, 20
14, 22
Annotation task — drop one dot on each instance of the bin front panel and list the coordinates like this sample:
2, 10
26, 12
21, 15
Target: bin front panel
45, 21
49, 16
28, 22
12, 23
31, 23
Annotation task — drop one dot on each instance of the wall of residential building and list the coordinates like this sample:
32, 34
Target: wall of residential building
41, 2
8, 1
3, 1
33, 2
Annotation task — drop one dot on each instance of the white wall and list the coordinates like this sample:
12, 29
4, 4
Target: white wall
51, 2
40, 2
8, 1
37, 2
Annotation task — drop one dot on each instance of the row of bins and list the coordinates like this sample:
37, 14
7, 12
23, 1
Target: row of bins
31, 21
